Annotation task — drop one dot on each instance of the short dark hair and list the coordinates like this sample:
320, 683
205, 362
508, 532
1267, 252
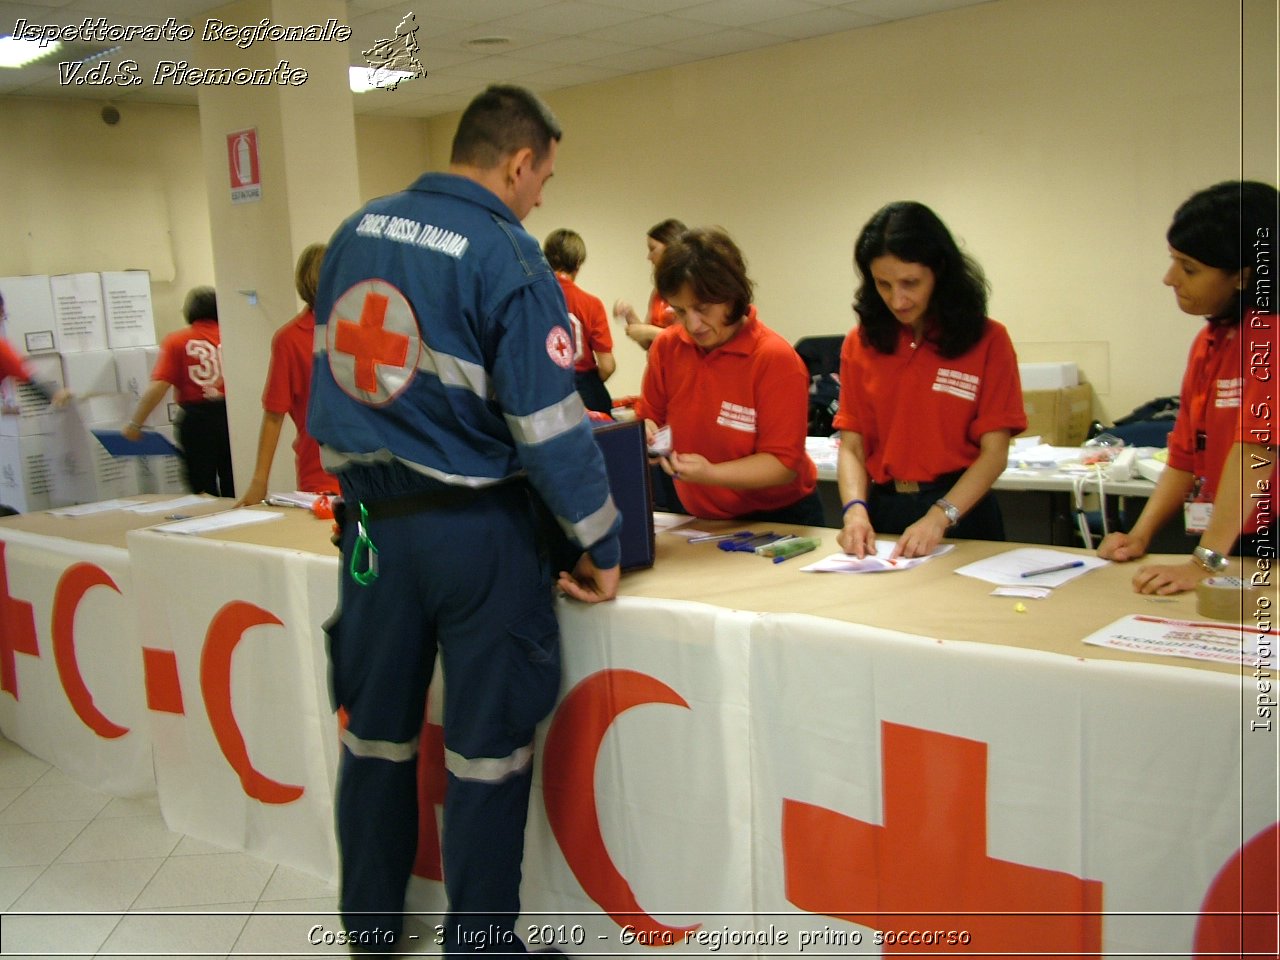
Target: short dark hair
500, 121
1220, 225
564, 250
712, 266
666, 230
201, 304
306, 275
913, 233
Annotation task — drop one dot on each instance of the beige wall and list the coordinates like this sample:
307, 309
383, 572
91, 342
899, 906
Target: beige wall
1055, 137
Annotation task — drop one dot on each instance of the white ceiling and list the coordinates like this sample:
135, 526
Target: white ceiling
553, 43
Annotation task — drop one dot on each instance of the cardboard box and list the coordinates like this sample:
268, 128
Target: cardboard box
78, 312
29, 323
25, 474
1061, 418
126, 295
83, 471
133, 371
24, 410
1048, 376
90, 374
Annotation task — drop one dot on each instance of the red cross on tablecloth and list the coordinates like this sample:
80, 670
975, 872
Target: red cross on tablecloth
17, 631
927, 867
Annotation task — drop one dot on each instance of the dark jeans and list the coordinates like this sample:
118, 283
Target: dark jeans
206, 448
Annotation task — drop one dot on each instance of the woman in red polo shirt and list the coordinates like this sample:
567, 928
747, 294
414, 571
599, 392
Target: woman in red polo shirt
1222, 451
734, 393
289, 388
659, 315
929, 391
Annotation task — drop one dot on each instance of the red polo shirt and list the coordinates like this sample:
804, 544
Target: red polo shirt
660, 312
589, 322
750, 395
191, 360
289, 389
920, 414
1229, 396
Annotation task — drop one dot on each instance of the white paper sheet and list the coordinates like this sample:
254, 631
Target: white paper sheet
1007, 569
219, 521
877, 563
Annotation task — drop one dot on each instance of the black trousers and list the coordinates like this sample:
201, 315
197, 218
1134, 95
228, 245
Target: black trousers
206, 448
594, 394
893, 512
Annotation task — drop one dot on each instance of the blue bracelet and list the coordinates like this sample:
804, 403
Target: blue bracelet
854, 503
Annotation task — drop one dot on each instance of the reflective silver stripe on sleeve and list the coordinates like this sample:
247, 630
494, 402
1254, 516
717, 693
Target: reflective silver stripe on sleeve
549, 422
319, 341
488, 769
591, 528
454, 371
380, 749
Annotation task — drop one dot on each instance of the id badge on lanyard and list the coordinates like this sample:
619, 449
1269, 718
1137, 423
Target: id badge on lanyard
1196, 512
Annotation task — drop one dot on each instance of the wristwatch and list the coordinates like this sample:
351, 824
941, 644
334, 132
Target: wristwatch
950, 509
1211, 560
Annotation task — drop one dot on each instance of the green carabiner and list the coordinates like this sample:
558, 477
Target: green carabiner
364, 553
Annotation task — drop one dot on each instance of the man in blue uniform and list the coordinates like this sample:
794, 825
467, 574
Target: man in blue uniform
443, 399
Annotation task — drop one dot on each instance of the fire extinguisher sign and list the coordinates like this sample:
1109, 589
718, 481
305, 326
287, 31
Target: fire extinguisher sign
242, 162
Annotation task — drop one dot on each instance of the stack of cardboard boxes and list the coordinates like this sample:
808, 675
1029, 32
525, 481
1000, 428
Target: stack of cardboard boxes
1059, 406
94, 334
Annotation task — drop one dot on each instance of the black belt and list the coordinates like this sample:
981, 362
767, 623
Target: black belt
944, 482
447, 498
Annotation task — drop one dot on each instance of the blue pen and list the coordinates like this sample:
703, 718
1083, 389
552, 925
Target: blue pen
1057, 569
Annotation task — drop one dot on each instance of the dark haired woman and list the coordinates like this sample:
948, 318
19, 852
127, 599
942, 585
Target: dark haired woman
734, 393
1222, 451
659, 315
929, 391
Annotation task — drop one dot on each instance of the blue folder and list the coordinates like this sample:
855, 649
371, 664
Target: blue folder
151, 444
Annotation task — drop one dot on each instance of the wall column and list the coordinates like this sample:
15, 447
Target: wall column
307, 161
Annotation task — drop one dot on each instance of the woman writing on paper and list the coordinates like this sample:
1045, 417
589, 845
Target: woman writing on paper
1221, 469
659, 315
929, 391
734, 393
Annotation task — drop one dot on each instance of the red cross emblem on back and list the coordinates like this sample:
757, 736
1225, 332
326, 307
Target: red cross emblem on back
373, 342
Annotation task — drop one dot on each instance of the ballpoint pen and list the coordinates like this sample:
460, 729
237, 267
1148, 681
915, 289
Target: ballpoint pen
1054, 569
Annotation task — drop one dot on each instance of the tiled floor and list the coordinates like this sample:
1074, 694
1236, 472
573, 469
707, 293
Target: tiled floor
84, 874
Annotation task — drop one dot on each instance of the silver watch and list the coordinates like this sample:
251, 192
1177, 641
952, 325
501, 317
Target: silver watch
1211, 560
950, 509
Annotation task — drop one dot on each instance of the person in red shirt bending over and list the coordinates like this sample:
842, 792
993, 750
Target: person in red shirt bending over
929, 391
734, 393
1222, 451
593, 361
289, 388
191, 362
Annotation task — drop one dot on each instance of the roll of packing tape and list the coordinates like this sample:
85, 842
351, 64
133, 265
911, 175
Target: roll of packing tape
1226, 598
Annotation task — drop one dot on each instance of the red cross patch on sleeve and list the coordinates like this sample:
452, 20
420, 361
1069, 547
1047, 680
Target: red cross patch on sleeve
560, 347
